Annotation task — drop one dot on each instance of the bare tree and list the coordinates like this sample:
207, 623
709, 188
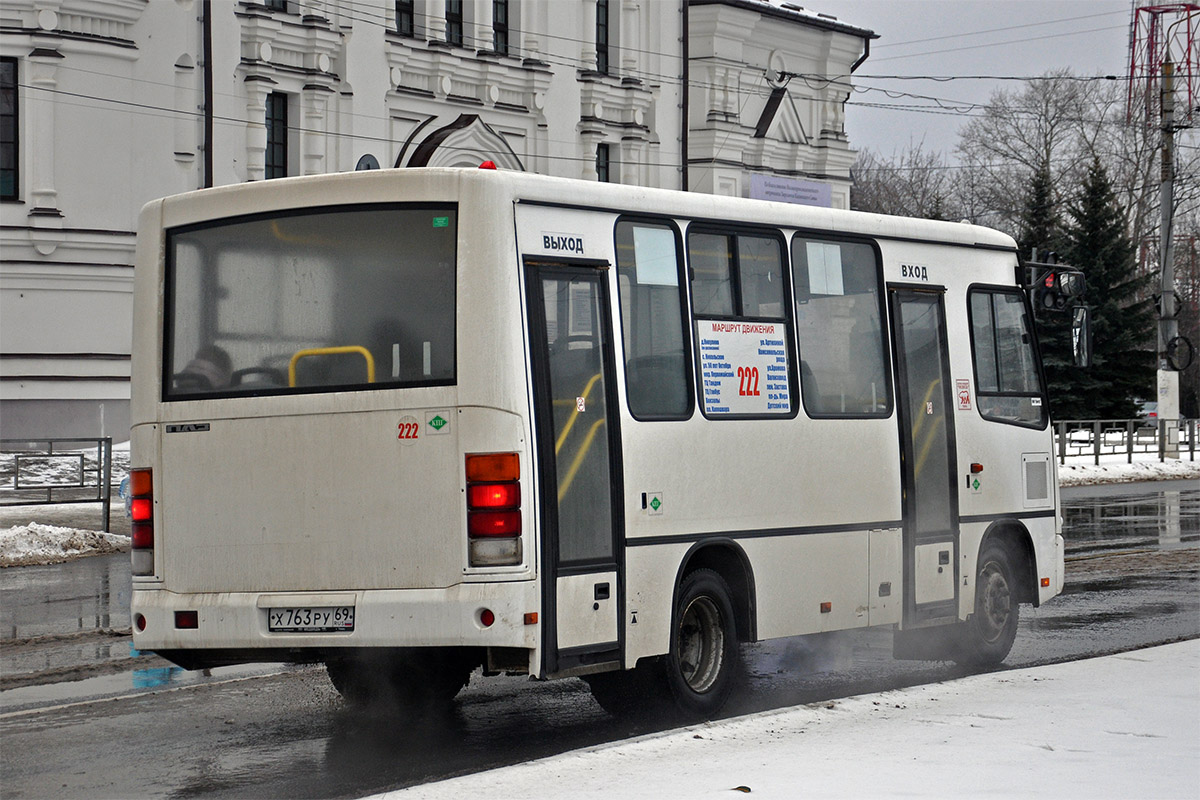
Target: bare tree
913, 183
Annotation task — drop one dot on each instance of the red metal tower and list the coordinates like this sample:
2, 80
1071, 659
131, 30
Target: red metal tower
1164, 33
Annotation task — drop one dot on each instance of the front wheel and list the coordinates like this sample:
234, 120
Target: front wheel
703, 660
991, 629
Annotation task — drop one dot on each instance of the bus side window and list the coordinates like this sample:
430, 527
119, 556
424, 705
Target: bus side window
839, 314
1008, 385
743, 338
652, 310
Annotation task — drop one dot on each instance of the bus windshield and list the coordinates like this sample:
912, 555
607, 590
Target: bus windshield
324, 300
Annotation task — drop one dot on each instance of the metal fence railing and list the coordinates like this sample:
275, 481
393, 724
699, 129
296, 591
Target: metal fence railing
56, 471
1126, 437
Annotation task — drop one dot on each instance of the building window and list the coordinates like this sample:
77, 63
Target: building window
9, 137
602, 36
277, 135
454, 22
277, 5
404, 17
500, 26
839, 314
602, 163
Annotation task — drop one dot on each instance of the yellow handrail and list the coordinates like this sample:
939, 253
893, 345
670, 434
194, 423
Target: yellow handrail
332, 351
920, 424
578, 461
562, 437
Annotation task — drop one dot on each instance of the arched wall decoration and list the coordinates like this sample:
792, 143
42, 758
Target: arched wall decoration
466, 142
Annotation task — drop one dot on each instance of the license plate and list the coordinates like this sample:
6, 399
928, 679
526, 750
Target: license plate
311, 620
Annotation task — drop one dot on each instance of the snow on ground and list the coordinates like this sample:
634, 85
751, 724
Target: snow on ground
1114, 727
24, 545
1080, 471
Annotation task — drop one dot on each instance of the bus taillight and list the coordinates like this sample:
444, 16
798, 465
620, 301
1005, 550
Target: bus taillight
494, 509
141, 511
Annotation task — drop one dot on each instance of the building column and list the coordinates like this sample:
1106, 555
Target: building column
629, 39
256, 128
478, 25
313, 112
588, 141
587, 38
435, 20
40, 101
533, 23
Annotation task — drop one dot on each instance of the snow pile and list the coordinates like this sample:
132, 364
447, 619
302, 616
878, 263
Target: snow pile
1052, 731
1114, 469
35, 543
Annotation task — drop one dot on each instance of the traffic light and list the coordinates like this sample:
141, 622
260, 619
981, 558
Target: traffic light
1055, 286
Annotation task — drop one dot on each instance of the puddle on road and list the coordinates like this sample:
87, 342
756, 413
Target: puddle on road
1164, 520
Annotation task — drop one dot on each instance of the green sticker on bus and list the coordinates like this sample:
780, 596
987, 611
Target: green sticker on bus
441, 222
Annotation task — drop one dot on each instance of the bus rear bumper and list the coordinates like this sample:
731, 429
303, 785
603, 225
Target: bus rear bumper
234, 627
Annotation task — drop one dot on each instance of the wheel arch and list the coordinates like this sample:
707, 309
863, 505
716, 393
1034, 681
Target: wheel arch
1016, 539
725, 557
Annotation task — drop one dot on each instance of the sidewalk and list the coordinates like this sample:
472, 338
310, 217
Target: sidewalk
1120, 726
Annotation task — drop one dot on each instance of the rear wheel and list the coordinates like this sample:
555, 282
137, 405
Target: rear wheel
990, 631
703, 660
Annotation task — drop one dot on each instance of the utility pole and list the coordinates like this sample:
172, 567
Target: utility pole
1168, 324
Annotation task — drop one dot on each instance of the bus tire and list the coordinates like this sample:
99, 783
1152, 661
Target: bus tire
702, 663
990, 630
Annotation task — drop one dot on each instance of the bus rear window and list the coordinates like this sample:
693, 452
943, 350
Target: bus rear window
338, 299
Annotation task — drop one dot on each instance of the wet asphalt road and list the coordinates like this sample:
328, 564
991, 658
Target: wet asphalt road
139, 728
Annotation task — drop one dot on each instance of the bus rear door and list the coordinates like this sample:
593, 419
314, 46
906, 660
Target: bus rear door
579, 474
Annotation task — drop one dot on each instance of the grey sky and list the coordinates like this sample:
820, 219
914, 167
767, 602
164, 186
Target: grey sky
968, 37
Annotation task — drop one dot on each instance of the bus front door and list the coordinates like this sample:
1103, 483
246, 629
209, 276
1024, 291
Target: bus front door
579, 467
931, 557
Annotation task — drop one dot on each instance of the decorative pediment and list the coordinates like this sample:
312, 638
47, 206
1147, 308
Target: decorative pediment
466, 142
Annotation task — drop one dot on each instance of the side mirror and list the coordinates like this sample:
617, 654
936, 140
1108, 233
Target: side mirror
1081, 336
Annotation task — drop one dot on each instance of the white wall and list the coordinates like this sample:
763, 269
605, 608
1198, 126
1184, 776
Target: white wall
110, 115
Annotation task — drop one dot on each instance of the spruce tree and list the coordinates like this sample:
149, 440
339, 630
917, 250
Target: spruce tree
1041, 231
1040, 225
1123, 331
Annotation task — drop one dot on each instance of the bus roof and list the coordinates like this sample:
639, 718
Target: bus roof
390, 185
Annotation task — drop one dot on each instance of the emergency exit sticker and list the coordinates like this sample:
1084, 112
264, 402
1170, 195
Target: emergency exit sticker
963, 392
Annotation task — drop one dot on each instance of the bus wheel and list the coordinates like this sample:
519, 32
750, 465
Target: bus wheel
703, 659
991, 629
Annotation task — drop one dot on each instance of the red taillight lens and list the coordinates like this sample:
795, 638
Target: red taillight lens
493, 495
141, 510
143, 536
494, 523
187, 619
494, 509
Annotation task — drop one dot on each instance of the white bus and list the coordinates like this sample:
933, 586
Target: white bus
413, 423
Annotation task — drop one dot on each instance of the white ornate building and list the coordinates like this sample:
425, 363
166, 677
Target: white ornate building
107, 104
